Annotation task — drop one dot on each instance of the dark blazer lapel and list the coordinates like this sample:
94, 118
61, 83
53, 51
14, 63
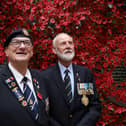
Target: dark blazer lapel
59, 82
12, 85
7, 75
76, 73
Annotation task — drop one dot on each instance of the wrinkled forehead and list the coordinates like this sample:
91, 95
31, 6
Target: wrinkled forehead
63, 37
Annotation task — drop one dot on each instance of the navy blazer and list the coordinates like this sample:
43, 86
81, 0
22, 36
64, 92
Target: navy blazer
76, 114
14, 112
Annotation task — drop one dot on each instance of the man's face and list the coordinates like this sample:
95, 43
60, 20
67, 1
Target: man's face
64, 47
19, 50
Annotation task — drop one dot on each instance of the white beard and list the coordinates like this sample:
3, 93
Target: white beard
64, 56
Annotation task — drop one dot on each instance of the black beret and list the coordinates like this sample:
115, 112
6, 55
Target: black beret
17, 33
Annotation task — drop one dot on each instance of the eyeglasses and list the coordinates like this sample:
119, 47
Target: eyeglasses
17, 43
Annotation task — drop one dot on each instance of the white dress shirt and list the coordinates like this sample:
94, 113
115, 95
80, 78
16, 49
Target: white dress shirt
19, 77
62, 70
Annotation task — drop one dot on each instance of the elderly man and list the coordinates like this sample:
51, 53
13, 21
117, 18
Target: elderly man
72, 90
24, 101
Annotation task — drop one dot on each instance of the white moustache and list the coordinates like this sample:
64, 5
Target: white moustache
68, 50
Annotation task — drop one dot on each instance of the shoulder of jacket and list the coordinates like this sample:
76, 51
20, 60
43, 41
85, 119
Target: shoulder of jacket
49, 69
81, 66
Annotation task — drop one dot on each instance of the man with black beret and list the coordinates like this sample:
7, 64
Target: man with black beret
24, 101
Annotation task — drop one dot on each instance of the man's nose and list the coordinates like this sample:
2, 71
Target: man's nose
68, 44
22, 45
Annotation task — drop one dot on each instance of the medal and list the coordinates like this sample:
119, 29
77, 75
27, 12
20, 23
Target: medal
85, 100
90, 91
85, 87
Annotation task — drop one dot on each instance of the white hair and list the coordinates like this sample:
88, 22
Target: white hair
55, 38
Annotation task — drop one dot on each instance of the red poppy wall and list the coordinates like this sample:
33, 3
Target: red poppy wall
99, 31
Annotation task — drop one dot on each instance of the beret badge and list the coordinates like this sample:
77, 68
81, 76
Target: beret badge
25, 32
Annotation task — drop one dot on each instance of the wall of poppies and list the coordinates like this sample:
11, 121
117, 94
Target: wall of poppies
99, 31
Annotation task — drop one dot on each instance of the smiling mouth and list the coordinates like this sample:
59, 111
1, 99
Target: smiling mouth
21, 53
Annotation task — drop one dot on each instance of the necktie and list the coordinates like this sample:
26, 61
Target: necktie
30, 99
68, 90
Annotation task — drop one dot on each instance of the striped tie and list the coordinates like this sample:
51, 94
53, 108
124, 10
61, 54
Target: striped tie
68, 90
30, 99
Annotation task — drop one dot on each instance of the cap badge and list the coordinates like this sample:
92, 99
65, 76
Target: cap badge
25, 32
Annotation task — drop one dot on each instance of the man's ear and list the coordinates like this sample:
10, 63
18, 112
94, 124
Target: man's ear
32, 53
54, 50
6, 51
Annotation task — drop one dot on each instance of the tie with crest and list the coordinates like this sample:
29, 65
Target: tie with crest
68, 90
32, 103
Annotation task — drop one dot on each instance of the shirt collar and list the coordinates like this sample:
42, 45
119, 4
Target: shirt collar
18, 76
63, 68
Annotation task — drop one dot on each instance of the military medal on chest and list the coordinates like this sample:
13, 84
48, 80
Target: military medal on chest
85, 89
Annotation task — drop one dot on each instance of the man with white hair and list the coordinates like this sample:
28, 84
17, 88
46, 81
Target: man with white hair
71, 88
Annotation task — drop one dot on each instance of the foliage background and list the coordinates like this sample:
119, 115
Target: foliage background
99, 31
